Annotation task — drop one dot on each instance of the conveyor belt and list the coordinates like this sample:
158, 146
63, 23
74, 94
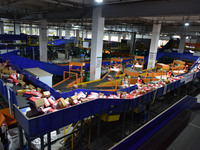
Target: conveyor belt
21, 100
180, 133
63, 86
93, 85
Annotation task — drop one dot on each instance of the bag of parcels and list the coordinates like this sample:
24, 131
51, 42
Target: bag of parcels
13, 138
36, 144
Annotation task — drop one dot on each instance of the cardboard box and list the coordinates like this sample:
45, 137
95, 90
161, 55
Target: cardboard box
39, 102
21, 77
71, 99
21, 92
62, 103
39, 89
22, 83
1, 75
1, 68
31, 86
12, 71
26, 87
84, 100
46, 94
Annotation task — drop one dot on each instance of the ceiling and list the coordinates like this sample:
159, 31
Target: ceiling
129, 15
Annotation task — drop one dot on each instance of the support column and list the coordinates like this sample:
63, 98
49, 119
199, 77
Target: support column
84, 35
43, 40
119, 37
74, 33
97, 44
109, 36
124, 36
154, 45
67, 47
181, 46
36, 30
133, 38
67, 32
77, 34
1, 27
60, 33
17, 29
30, 30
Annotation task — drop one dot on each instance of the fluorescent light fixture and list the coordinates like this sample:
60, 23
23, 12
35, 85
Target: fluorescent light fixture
75, 28
99, 1
187, 24
176, 36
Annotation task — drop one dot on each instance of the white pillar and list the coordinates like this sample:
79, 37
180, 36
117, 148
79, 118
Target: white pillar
43, 40
154, 45
17, 29
181, 46
97, 44
30, 30
36, 30
57, 32
124, 36
67, 32
77, 34
109, 36
119, 37
60, 33
84, 35
74, 33
132, 47
1, 27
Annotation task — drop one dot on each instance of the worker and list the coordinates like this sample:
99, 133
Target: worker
140, 81
137, 63
126, 82
186, 68
169, 74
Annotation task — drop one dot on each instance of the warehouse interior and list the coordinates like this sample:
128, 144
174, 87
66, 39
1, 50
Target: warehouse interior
99, 74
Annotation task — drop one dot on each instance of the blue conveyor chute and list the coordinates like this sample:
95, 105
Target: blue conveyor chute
24, 63
38, 126
11, 37
140, 136
61, 42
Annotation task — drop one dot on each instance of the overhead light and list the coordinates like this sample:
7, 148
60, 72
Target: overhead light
99, 1
176, 36
187, 24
